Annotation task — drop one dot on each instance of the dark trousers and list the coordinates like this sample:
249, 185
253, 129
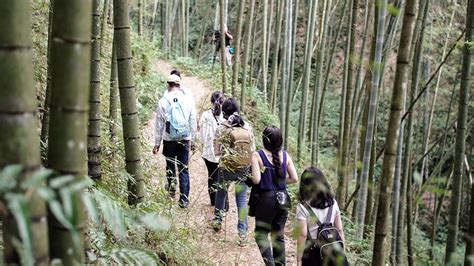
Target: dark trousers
212, 174
212, 184
177, 154
269, 219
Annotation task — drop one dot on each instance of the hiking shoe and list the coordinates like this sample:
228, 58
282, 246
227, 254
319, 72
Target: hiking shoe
183, 205
171, 188
242, 238
217, 226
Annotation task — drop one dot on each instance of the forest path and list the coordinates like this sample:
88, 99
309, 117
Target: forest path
217, 248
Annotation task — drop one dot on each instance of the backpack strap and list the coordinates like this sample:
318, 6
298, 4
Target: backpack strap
312, 214
217, 121
329, 215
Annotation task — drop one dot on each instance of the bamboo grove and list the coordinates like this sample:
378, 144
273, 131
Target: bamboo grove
377, 92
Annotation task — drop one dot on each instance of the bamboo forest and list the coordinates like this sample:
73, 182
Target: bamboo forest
236, 132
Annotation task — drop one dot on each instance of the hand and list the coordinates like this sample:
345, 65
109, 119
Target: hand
156, 149
193, 146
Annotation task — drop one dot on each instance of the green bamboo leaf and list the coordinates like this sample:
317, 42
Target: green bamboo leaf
18, 206
60, 181
113, 216
8, 177
91, 208
37, 179
56, 208
67, 202
155, 222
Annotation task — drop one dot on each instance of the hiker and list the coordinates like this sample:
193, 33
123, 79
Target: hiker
176, 125
272, 170
186, 90
235, 143
319, 224
208, 124
228, 38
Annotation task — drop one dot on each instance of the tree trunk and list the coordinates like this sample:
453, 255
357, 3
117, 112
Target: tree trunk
113, 95
408, 167
235, 66
371, 207
184, 43
388, 165
308, 55
276, 55
47, 98
130, 120
439, 200
222, 40
19, 142
343, 168
70, 75
329, 63
459, 153
247, 52
94, 132
105, 13
469, 256
292, 72
317, 85
265, 41
369, 136
140, 18
398, 186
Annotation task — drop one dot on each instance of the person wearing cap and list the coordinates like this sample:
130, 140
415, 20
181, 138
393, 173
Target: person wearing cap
175, 149
186, 90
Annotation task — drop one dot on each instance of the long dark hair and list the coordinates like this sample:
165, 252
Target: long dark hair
231, 112
273, 141
315, 188
217, 99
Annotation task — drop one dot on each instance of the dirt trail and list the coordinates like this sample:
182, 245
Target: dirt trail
220, 248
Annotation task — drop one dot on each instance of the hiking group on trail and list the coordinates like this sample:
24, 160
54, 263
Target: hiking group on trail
230, 156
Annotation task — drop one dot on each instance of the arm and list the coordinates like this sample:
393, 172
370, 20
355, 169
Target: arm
217, 142
201, 127
229, 35
256, 174
302, 233
292, 175
338, 225
192, 121
159, 126
252, 139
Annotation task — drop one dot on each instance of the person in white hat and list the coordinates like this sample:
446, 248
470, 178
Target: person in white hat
175, 126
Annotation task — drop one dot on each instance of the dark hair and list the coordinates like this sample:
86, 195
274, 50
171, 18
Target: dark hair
273, 141
217, 99
231, 112
175, 72
174, 84
315, 188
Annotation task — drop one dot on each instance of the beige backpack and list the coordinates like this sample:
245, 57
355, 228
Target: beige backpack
237, 148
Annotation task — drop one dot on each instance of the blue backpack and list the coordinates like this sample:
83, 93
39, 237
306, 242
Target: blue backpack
177, 125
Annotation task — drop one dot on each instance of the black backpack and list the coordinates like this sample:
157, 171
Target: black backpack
328, 242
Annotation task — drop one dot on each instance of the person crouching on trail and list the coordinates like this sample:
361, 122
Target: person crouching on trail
208, 124
235, 143
272, 170
176, 125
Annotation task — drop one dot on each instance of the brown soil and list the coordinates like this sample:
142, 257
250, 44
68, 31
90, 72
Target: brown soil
217, 248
